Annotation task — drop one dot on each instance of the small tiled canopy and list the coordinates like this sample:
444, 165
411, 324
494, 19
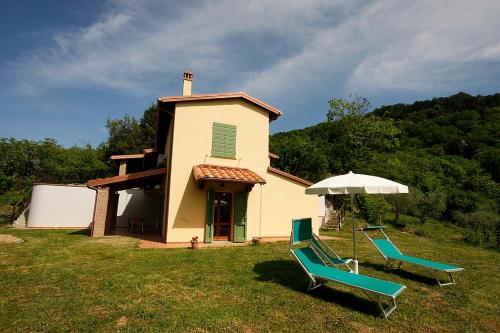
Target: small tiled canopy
206, 172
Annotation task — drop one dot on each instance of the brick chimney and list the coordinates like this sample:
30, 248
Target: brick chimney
187, 83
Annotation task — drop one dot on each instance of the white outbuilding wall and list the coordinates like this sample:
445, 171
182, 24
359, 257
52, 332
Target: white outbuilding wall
72, 206
61, 206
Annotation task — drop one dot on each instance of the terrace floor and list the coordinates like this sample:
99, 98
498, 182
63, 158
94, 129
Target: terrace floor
153, 240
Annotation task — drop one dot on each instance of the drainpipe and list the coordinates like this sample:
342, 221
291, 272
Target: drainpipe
260, 213
95, 204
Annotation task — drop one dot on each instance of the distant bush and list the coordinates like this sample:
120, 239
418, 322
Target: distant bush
25, 162
372, 207
483, 227
405, 220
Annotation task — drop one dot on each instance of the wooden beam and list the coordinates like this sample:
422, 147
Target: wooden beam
150, 150
127, 177
126, 157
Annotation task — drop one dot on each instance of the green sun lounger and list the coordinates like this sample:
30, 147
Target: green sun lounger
391, 254
319, 267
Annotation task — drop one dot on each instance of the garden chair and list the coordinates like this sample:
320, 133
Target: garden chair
391, 254
318, 269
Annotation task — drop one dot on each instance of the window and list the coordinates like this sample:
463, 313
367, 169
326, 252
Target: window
223, 140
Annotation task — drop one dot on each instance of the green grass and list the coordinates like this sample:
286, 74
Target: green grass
65, 281
431, 228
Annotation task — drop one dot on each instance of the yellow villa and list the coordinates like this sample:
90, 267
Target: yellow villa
213, 170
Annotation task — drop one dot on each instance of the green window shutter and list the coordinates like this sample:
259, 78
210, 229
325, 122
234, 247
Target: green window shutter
209, 226
223, 140
240, 217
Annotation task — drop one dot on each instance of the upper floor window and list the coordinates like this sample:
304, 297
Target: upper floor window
223, 140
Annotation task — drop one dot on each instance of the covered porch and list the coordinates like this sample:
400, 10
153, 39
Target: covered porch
138, 212
227, 190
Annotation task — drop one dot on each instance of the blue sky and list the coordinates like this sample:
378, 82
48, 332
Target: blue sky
67, 66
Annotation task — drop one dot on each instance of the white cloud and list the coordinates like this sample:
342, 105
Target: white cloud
270, 48
394, 46
133, 46
441, 40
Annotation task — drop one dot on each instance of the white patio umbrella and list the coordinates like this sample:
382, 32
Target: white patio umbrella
353, 183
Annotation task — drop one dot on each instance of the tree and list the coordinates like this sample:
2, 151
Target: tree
354, 106
24, 162
359, 136
433, 206
299, 156
125, 136
148, 126
489, 157
129, 135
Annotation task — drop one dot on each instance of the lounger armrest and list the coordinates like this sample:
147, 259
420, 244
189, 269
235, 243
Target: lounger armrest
372, 228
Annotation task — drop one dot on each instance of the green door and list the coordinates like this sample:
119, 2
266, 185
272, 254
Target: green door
240, 217
209, 226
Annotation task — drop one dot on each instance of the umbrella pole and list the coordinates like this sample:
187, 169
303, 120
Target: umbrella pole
355, 261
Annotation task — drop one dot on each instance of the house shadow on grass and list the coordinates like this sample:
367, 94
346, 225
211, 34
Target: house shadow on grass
289, 274
81, 232
402, 273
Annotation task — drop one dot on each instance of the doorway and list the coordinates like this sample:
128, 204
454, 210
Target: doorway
223, 215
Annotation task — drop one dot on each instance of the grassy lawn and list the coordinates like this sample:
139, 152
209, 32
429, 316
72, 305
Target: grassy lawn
66, 281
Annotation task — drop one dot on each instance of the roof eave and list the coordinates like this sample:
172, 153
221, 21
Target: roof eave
274, 113
229, 180
290, 176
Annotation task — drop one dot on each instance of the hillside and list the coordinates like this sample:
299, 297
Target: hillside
446, 149
461, 125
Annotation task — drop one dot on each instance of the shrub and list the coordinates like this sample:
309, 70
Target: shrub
372, 206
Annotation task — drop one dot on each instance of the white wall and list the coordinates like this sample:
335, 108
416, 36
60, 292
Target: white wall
139, 203
72, 206
61, 206
321, 210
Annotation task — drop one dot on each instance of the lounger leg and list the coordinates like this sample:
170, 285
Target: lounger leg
313, 285
441, 284
388, 265
385, 311
451, 278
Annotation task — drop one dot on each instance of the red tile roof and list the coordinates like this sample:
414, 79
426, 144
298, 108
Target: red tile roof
273, 112
204, 172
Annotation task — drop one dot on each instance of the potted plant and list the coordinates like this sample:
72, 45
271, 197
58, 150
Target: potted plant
257, 240
194, 243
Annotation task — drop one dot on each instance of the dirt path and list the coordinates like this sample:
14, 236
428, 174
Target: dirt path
10, 239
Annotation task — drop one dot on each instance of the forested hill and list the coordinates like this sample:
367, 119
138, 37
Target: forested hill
461, 125
446, 149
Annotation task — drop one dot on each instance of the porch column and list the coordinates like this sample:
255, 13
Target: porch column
123, 168
112, 210
101, 212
